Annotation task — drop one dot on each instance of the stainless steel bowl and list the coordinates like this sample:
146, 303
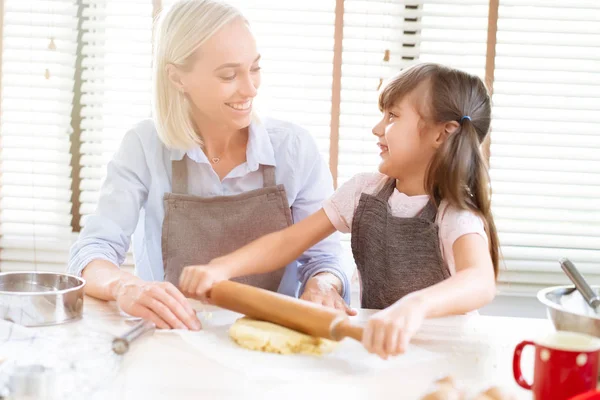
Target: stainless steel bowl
569, 319
40, 298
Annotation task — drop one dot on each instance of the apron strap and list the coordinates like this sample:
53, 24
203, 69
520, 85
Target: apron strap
268, 175
387, 190
179, 178
429, 211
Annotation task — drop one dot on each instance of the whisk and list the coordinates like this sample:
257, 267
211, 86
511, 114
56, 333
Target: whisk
122, 343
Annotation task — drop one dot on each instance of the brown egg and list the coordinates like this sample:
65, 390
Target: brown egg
483, 396
498, 393
443, 392
447, 380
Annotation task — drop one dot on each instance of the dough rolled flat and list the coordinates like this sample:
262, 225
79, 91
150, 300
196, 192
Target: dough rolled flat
272, 338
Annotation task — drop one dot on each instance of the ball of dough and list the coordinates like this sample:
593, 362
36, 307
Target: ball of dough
268, 337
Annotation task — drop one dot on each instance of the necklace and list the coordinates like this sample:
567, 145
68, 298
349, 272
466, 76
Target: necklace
215, 160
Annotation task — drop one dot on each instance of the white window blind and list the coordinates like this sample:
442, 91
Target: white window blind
116, 88
545, 153
454, 33
380, 37
383, 37
295, 40
38, 69
545, 165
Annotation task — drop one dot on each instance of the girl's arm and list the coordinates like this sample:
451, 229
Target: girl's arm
473, 285
275, 250
389, 331
269, 253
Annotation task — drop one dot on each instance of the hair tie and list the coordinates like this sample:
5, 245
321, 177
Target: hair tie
465, 117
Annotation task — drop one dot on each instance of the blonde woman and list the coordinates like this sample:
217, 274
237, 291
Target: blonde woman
204, 177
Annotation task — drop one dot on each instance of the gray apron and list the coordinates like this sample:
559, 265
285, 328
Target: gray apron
394, 256
197, 229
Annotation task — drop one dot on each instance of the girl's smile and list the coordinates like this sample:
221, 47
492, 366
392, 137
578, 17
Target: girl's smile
383, 147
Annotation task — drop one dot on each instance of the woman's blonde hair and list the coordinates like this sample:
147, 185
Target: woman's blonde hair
179, 31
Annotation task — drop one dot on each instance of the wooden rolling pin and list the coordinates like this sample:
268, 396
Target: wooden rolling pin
299, 315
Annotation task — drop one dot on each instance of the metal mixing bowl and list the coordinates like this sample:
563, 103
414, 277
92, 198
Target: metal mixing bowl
40, 298
566, 319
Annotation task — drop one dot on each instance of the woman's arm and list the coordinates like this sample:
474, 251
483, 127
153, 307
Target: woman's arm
159, 302
104, 241
107, 233
102, 278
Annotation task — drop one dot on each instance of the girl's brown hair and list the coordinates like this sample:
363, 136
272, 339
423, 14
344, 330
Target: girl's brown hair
458, 171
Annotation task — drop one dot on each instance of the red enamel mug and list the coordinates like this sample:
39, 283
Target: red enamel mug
566, 364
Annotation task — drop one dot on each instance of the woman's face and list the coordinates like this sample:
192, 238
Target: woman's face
224, 77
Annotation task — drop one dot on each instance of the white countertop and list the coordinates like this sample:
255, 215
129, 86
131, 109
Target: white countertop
476, 350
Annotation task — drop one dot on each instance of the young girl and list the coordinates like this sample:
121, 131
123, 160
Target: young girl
423, 236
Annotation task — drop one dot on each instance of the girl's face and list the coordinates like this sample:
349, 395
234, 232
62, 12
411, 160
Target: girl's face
224, 77
406, 147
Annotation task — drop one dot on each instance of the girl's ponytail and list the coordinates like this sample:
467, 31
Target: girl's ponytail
458, 174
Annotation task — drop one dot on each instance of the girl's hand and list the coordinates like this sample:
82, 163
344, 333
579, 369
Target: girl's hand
324, 288
389, 331
196, 281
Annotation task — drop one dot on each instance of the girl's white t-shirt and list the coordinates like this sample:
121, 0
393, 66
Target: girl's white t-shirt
453, 222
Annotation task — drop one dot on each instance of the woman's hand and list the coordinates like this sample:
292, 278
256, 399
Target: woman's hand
159, 302
196, 281
324, 288
389, 331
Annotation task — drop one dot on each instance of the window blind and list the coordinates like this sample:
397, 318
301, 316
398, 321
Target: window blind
385, 36
545, 166
545, 152
116, 88
38, 69
379, 37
